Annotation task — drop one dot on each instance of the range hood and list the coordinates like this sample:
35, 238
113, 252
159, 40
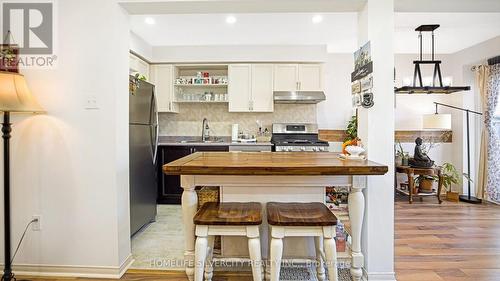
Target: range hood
437, 86
299, 96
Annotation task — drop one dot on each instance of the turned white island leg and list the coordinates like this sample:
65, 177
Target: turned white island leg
356, 212
189, 208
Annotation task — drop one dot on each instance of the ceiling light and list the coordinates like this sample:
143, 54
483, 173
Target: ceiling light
317, 19
149, 20
231, 19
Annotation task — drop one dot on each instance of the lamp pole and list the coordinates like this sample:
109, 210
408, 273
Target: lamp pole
6, 130
465, 198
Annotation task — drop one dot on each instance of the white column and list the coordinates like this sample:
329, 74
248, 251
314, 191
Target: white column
376, 129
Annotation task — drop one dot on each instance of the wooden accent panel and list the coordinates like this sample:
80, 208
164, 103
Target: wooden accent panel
332, 135
213, 213
435, 136
265, 163
299, 214
402, 136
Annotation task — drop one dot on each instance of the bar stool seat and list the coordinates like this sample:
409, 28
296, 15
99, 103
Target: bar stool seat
227, 219
303, 220
300, 214
213, 213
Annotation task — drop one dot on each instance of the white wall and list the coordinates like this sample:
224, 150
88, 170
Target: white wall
410, 108
376, 129
463, 61
71, 165
140, 47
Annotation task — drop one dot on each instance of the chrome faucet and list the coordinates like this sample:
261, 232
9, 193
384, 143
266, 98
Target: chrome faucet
205, 130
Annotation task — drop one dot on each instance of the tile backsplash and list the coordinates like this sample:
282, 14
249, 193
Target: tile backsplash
188, 121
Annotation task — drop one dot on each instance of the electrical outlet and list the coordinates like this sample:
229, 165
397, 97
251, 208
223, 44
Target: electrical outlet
37, 225
91, 101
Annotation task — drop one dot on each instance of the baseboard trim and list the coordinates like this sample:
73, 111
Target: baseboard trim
74, 270
379, 276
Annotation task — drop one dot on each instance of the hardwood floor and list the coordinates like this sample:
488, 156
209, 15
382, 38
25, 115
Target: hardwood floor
146, 275
448, 242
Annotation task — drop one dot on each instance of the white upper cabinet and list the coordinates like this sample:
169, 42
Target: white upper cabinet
239, 87
262, 87
298, 77
286, 77
250, 88
310, 77
137, 65
162, 76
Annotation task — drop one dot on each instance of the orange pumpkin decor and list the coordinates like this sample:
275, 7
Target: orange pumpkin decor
348, 143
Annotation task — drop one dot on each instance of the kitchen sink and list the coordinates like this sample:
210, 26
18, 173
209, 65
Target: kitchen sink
211, 140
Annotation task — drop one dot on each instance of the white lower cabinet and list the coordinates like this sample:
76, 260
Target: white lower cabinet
250, 88
162, 76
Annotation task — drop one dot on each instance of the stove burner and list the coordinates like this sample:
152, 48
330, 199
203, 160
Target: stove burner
298, 141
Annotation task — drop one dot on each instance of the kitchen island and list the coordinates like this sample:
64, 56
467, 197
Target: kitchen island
279, 177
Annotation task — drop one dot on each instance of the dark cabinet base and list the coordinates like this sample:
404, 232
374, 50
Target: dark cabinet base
169, 187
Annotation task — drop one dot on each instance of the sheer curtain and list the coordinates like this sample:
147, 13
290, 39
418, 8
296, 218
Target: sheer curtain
493, 149
482, 76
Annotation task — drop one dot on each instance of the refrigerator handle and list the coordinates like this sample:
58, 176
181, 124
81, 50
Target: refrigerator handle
156, 129
155, 144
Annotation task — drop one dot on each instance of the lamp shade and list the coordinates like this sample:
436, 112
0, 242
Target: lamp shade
437, 121
15, 95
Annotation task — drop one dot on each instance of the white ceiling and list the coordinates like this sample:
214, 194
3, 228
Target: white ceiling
457, 31
137, 7
337, 30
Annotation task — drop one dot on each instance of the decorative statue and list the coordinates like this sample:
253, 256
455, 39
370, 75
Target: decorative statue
420, 158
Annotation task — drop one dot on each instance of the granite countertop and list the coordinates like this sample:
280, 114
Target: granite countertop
264, 163
191, 140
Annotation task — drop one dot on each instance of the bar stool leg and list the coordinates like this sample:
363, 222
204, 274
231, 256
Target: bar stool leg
268, 261
320, 269
200, 256
331, 257
209, 269
255, 253
276, 249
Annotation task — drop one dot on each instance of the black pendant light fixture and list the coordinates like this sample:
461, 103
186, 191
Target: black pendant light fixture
437, 79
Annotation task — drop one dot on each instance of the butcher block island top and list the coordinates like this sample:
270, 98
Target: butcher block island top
271, 163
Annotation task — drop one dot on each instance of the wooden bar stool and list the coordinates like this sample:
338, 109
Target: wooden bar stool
227, 219
302, 220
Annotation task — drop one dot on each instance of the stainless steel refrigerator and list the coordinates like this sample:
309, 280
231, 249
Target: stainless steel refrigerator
143, 142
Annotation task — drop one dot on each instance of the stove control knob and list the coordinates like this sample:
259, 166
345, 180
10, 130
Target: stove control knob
303, 149
323, 149
289, 149
315, 149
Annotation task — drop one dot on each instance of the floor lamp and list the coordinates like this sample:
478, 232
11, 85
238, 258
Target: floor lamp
15, 97
443, 121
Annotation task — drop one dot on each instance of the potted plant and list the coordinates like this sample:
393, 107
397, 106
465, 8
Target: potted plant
424, 183
401, 155
452, 176
352, 134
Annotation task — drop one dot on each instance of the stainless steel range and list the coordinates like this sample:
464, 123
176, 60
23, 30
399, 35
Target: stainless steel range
297, 137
